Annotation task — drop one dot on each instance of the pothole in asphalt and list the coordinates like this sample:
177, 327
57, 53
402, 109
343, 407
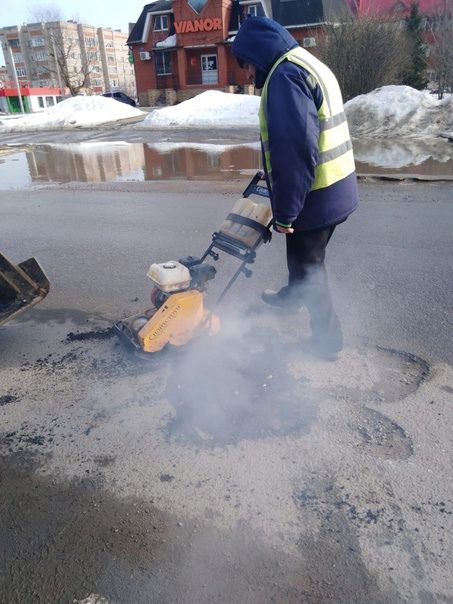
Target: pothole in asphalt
221, 390
367, 375
383, 437
222, 396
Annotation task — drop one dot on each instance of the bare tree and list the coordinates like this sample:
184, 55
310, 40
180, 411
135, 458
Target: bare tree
365, 53
68, 64
441, 58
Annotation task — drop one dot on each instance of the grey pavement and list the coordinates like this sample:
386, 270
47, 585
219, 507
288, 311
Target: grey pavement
236, 469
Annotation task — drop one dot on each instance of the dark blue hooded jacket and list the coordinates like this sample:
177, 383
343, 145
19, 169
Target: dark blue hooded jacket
292, 118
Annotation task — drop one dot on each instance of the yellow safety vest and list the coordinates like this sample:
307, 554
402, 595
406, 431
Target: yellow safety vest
335, 156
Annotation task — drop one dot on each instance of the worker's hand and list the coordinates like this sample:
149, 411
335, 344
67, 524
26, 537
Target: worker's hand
286, 230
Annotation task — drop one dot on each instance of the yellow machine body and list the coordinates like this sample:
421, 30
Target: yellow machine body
175, 321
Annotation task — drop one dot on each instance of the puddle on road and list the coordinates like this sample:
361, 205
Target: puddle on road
430, 159
125, 162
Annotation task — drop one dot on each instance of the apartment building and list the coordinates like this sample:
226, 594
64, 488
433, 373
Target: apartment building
3, 76
118, 72
96, 57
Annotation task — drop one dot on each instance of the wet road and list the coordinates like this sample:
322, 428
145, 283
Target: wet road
124, 132
238, 469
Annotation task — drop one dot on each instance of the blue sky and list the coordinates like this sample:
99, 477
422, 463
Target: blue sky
101, 13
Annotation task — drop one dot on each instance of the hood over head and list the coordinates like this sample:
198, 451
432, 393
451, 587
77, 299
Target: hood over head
261, 41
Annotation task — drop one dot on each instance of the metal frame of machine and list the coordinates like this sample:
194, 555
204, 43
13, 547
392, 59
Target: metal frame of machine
21, 286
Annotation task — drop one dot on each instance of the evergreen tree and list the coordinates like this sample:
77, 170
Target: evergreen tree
415, 76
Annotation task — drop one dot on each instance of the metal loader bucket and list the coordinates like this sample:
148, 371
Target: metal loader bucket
21, 286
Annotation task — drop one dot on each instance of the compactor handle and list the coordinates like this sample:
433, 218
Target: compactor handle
254, 188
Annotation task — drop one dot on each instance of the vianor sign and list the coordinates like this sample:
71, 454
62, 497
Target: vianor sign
208, 24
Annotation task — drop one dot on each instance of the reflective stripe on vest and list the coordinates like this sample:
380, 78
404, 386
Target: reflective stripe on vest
335, 156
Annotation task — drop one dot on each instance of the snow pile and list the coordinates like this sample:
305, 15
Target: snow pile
212, 108
399, 111
78, 111
167, 43
388, 112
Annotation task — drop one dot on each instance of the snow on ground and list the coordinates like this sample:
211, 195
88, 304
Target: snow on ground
76, 112
399, 111
388, 112
209, 109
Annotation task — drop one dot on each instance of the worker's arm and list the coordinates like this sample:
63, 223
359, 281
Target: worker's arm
293, 142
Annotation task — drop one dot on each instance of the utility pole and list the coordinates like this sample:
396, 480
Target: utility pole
16, 79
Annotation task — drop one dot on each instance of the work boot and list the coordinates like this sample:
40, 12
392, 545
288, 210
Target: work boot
284, 298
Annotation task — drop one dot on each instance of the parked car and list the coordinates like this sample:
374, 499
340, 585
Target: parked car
121, 96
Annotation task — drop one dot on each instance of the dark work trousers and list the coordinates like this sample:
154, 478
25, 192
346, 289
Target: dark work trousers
307, 282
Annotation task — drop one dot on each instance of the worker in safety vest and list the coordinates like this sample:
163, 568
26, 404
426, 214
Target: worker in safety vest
309, 165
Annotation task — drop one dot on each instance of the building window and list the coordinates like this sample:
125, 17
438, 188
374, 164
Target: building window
160, 23
21, 72
255, 10
40, 56
41, 102
14, 43
50, 101
37, 42
163, 63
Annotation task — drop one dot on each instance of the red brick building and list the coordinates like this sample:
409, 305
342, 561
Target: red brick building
183, 47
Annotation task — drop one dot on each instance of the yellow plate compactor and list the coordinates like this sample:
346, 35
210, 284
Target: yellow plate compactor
178, 309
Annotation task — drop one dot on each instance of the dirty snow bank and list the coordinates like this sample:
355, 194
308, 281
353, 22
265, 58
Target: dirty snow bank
212, 108
399, 111
78, 111
388, 112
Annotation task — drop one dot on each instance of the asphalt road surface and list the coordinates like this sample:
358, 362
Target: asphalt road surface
237, 469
